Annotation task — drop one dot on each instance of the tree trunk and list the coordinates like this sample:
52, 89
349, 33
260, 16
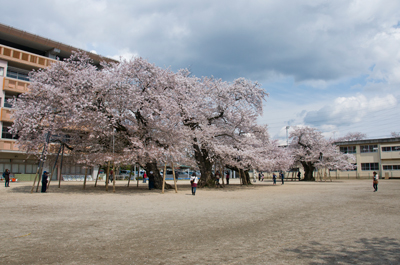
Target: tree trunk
158, 179
245, 177
308, 171
205, 165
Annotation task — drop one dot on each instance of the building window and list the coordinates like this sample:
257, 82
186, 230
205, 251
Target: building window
391, 167
21, 74
5, 133
391, 149
1, 71
369, 166
8, 104
369, 148
348, 149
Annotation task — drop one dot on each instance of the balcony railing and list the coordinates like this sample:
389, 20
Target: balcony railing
16, 55
15, 85
9, 145
6, 115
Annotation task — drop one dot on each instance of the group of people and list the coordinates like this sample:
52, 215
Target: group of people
218, 176
193, 179
281, 176
45, 177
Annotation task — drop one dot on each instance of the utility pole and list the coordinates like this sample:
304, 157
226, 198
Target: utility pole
287, 135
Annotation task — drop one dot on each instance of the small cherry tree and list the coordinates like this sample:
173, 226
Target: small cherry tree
352, 136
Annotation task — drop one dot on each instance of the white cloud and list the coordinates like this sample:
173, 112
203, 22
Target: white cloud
124, 55
349, 110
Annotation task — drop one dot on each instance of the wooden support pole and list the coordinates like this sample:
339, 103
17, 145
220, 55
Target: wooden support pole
40, 164
54, 167
130, 175
48, 184
113, 177
97, 176
34, 182
61, 165
40, 175
84, 181
58, 172
222, 175
173, 173
108, 174
163, 182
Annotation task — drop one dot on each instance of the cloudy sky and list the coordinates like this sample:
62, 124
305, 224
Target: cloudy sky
334, 65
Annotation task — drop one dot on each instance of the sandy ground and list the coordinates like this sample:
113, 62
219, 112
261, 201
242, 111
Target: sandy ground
339, 222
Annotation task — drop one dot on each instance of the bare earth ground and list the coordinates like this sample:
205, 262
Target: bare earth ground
339, 222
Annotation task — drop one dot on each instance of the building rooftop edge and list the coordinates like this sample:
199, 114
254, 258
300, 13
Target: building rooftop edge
369, 141
44, 41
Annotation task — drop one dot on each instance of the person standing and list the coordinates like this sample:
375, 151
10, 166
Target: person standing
217, 178
274, 178
193, 182
44, 181
6, 176
151, 180
259, 176
375, 181
299, 175
227, 177
282, 177
144, 177
110, 177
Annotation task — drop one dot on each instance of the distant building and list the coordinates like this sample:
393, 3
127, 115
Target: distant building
20, 53
380, 155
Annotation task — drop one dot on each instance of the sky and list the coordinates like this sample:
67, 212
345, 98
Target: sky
332, 65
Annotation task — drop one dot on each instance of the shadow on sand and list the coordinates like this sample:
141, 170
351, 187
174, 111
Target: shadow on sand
363, 251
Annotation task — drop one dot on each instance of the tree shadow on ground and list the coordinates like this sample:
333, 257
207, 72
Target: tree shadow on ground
363, 251
120, 188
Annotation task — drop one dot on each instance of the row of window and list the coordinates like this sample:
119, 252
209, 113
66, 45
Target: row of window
30, 167
16, 73
391, 167
368, 149
348, 149
363, 149
375, 166
391, 149
369, 166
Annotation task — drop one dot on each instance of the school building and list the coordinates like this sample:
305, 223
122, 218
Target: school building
380, 155
20, 53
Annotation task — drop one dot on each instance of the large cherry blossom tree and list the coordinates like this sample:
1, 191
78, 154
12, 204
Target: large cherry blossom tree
222, 118
122, 113
134, 111
312, 150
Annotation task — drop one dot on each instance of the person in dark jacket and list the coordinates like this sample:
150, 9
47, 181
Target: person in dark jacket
44, 181
151, 180
6, 176
282, 176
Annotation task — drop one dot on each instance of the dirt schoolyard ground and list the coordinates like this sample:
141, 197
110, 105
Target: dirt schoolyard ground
339, 222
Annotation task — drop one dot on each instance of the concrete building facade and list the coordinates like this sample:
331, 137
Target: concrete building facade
20, 53
380, 155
